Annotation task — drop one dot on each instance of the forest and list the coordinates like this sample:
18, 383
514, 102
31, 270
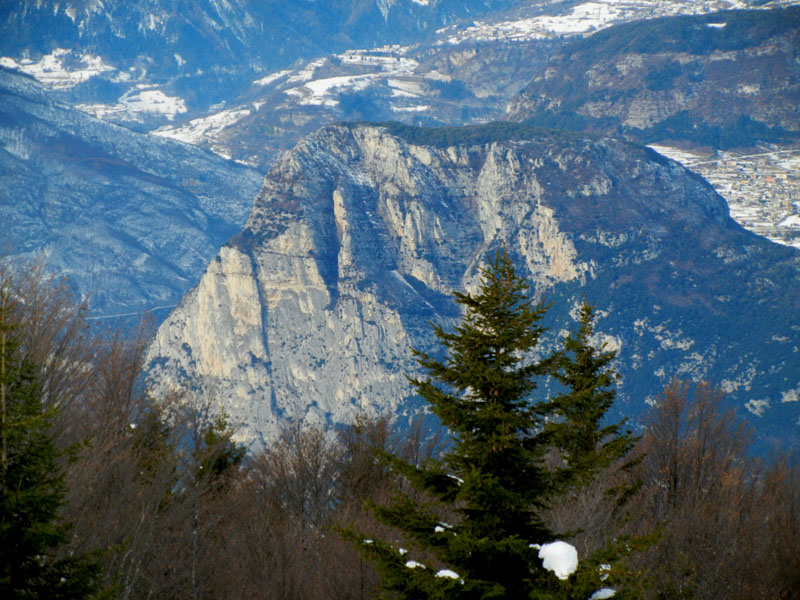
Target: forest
107, 492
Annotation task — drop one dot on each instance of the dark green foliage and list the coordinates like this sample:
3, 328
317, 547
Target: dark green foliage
32, 488
494, 483
663, 78
218, 454
735, 133
741, 132
689, 33
586, 374
444, 137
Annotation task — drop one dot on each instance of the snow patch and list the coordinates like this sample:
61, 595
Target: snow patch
412, 564
790, 221
307, 72
559, 557
603, 594
791, 395
448, 574
204, 129
757, 407
52, 72
385, 59
272, 77
582, 19
420, 108
155, 101
318, 92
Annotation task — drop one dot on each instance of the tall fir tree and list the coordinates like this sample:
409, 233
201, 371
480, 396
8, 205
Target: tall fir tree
578, 429
494, 480
32, 488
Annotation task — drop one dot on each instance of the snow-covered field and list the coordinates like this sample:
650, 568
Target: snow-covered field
135, 103
198, 130
61, 69
585, 18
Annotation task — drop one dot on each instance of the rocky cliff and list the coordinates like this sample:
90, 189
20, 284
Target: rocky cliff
360, 234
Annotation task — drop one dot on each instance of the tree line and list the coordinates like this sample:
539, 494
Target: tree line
106, 492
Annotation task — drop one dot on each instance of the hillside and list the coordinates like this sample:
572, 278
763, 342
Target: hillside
360, 234
722, 80
130, 219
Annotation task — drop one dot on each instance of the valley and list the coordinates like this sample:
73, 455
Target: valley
348, 299
761, 186
160, 131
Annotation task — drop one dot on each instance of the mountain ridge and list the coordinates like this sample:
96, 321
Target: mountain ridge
665, 79
358, 237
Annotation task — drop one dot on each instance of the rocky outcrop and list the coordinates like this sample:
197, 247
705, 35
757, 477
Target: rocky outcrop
360, 234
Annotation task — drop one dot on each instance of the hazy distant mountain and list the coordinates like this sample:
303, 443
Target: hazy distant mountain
721, 80
361, 232
201, 51
130, 218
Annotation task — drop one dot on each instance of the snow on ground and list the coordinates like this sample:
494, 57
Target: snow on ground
583, 18
319, 91
410, 109
307, 72
51, 71
448, 574
272, 77
386, 61
790, 221
197, 131
586, 18
386, 64
136, 102
407, 89
757, 407
155, 101
762, 187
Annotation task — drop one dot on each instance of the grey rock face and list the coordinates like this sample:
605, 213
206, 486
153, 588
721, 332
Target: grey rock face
359, 235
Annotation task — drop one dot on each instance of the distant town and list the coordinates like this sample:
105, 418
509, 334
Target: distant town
762, 186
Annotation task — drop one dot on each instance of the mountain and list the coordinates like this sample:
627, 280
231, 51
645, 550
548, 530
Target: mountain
722, 80
195, 53
131, 219
361, 232
423, 84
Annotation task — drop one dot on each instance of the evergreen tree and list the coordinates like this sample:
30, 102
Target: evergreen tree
32, 488
494, 481
577, 428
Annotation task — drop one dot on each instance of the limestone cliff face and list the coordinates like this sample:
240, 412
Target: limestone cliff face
360, 234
